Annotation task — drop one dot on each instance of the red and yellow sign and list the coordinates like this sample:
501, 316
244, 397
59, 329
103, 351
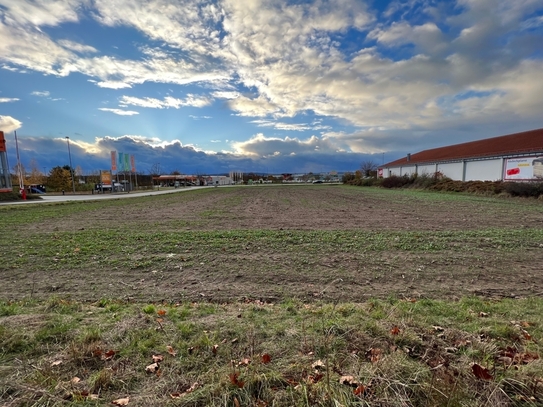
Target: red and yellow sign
105, 177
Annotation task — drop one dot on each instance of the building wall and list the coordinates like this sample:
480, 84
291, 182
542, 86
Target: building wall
484, 170
454, 171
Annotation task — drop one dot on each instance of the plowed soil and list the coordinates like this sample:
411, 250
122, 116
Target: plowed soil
315, 242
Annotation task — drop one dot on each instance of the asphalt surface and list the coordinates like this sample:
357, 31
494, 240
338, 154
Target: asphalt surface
86, 197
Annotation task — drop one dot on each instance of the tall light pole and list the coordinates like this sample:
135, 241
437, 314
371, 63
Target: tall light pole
71, 167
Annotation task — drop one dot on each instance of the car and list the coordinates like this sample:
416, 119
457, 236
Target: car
317, 181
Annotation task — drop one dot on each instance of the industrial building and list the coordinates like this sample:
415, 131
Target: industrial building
514, 157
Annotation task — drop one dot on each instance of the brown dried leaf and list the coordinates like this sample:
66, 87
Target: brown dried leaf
244, 362
374, 355
121, 402
214, 349
152, 368
235, 381
395, 330
56, 363
349, 381
171, 351
483, 314
158, 358
109, 354
236, 402
481, 372
266, 358
319, 364
161, 312
359, 390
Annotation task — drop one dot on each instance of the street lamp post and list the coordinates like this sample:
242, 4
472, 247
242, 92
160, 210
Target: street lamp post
71, 167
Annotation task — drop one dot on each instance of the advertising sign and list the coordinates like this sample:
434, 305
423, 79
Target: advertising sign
132, 164
524, 169
105, 177
2, 142
380, 173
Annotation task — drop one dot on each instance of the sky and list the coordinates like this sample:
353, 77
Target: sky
212, 86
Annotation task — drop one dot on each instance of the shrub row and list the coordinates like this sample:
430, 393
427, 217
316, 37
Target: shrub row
437, 182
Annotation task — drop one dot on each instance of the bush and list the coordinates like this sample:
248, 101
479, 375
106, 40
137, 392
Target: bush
523, 189
395, 181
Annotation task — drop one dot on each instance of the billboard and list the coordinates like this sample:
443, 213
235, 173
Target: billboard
105, 177
524, 169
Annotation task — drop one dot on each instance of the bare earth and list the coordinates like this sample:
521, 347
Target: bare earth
293, 265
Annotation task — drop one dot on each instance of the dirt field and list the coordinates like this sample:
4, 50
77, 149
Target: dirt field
315, 242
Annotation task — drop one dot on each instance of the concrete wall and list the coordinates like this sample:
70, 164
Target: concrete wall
487, 170
454, 171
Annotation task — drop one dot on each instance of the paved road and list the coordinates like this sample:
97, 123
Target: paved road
65, 198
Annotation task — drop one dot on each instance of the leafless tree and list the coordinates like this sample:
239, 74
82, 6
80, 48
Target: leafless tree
368, 168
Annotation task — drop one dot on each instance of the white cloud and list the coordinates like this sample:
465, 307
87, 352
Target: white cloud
119, 112
42, 94
113, 85
167, 102
9, 124
74, 46
8, 100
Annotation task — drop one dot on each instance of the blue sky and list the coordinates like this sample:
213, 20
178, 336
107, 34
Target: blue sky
210, 86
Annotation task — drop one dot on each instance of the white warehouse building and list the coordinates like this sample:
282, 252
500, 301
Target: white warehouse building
515, 157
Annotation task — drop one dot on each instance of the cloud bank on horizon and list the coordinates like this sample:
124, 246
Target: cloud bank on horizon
265, 85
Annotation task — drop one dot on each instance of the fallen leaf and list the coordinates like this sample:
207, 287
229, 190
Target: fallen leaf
481, 372
75, 380
235, 381
171, 351
315, 378
214, 349
109, 354
319, 364
158, 358
483, 314
244, 362
152, 368
266, 358
359, 390
121, 402
395, 330
349, 381
261, 403
374, 355
236, 402
190, 350
56, 363
438, 328
175, 395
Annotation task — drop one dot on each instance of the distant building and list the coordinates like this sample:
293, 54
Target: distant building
515, 157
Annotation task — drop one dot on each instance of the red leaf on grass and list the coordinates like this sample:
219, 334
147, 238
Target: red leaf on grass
171, 351
109, 354
266, 358
359, 390
235, 381
481, 372
161, 312
395, 330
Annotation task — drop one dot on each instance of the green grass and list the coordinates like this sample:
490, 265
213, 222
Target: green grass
103, 311
210, 342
